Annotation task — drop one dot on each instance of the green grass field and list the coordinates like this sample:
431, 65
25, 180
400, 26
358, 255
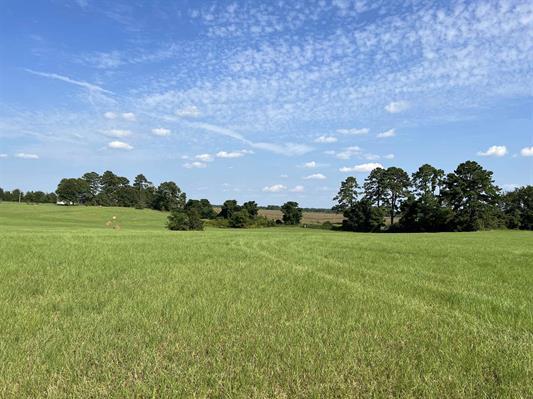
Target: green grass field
88, 311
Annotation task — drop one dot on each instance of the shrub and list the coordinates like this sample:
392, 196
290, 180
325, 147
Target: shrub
239, 219
181, 220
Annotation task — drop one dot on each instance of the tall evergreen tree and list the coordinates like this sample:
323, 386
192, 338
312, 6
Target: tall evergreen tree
427, 179
374, 186
472, 196
347, 195
396, 185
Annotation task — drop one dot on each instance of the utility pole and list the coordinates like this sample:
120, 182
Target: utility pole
20, 196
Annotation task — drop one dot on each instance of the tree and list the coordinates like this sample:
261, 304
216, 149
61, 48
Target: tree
374, 187
72, 190
472, 196
93, 182
168, 197
228, 209
347, 195
396, 183
111, 185
364, 217
252, 209
206, 209
239, 219
427, 179
140, 185
179, 219
292, 213
518, 208
424, 214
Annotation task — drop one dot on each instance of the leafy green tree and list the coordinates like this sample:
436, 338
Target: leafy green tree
252, 209
229, 207
292, 213
347, 195
363, 217
396, 184
239, 219
427, 179
72, 190
518, 208
424, 214
93, 182
375, 187
180, 219
471, 194
168, 197
206, 209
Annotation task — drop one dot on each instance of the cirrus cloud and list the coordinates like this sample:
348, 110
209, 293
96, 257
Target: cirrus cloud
397, 106
24, 155
326, 139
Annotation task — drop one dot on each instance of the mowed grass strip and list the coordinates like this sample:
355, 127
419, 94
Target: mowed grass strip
87, 311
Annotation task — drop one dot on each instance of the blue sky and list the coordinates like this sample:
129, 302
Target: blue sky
271, 101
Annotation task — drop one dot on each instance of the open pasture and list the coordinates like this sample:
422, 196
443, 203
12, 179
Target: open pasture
88, 311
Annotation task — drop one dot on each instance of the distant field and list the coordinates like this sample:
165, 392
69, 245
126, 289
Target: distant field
88, 311
308, 217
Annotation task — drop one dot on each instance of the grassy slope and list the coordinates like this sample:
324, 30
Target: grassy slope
89, 311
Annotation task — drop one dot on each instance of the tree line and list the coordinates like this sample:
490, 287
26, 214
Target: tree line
430, 200
427, 201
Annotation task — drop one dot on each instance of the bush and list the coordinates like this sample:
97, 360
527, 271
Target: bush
181, 220
263, 221
239, 219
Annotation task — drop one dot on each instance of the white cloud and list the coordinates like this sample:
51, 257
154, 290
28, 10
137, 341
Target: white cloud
288, 149
315, 176
204, 157
25, 155
310, 165
195, 165
494, 151
388, 156
388, 133
349, 152
188, 112
118, 133
527, 152
371, 157
66, 79
276, 188
233, 154
110, 115
362, 168
326, 139
3, 155
284, 176
119, 145
397, 106
129, 116
161, 131
354, 131
297, 189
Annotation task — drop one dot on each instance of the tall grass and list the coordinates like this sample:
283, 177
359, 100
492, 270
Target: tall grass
88, 311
